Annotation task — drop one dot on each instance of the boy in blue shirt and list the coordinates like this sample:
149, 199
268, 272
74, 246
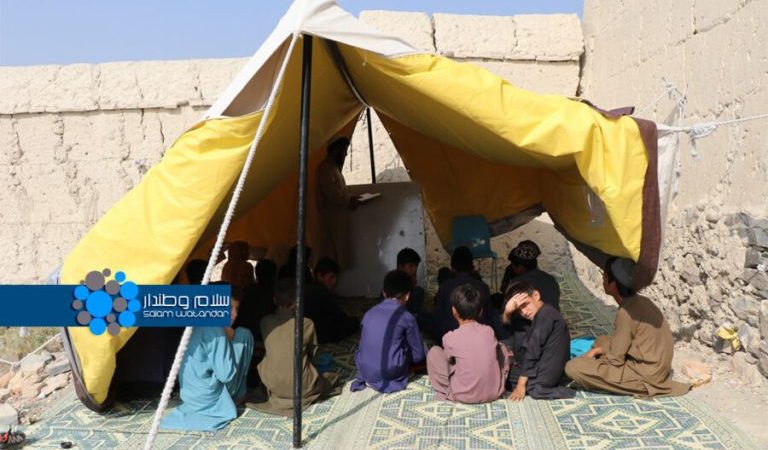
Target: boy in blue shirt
390, 341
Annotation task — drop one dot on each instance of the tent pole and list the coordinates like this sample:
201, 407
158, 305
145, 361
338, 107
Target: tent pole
298, 334
370, 144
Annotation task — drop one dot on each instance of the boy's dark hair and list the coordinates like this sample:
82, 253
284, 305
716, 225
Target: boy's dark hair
196, 271
326, 265
461, 260
408, 256
265, 272
285, 293
396, 284
529, 264
338, 145
468, 301
293, 254
443, 274
627, 266
519, 287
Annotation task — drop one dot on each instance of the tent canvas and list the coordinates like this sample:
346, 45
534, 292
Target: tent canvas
473, 142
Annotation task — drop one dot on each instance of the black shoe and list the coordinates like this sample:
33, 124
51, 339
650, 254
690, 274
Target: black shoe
12, 439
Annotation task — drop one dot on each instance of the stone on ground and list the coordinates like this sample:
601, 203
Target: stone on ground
8, 416
55, 383
696, 371
6, 378
31, 390
5, 394
58, 367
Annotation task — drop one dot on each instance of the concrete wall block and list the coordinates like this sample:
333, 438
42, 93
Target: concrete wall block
9, 141
44, 198
143, 137
40, 138
709, 13
548, 37
73, 89
175, 122
414, 28
95, 135
54, 243
215, 75
465, 36
542, 77
119, 86
168, 84
20, 85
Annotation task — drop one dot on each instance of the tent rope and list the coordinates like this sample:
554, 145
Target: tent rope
184, 343
669, 91
704, 129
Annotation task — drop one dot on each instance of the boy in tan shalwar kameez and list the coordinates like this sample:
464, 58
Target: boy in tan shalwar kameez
276, 369
637, 359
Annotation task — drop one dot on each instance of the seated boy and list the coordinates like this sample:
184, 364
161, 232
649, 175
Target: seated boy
390, 340
276, 369
331, 322
212, 377
408, 261
637, 359
472, 365
237, 270
545, 349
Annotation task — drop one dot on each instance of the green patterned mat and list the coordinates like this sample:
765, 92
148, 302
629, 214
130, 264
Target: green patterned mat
413, 419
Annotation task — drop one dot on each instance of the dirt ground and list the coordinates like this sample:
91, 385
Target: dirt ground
740, 402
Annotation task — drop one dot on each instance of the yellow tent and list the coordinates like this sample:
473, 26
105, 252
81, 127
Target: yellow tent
473, 142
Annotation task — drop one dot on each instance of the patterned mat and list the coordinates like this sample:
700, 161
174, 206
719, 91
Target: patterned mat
413, 419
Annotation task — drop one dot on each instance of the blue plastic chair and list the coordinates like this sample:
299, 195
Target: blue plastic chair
473, 232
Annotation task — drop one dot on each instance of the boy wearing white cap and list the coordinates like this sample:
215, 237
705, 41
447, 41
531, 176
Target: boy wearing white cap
637, 359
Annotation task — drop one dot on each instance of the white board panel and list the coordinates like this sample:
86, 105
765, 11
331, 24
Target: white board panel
378, 230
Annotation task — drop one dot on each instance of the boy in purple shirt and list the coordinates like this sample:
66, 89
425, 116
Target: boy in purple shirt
389, 339
472, 365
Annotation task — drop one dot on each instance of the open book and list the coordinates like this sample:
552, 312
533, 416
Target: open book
368, 196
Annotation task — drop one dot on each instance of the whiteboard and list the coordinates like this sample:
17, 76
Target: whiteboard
378, 230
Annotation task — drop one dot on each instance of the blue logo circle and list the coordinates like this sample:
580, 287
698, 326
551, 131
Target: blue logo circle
99, 304
98, 326
127, 319
129, 290
81, 292
120, 276
134, 305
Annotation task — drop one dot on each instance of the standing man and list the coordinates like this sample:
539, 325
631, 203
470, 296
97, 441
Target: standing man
333, 205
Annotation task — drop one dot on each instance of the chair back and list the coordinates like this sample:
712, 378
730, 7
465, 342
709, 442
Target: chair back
472, 232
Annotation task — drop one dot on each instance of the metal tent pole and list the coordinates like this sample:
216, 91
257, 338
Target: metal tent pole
298, 334
370, 144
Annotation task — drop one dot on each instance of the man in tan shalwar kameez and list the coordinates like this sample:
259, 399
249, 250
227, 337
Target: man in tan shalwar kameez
637, 359
276, 369
333, 205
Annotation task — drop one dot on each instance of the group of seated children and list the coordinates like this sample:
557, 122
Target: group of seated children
522, 347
